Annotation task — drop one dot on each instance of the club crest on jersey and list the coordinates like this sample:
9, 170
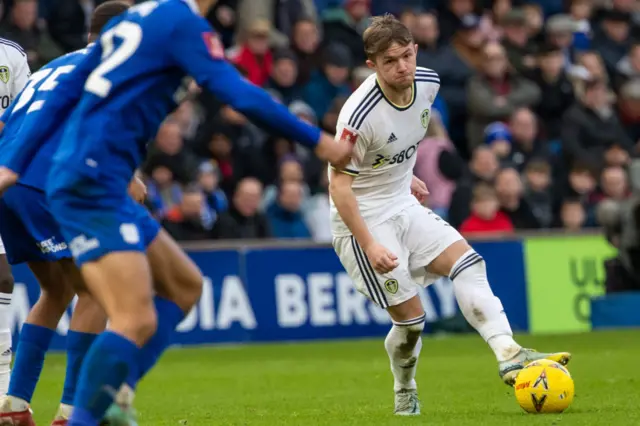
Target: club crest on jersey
391, 286
424, 118
349, 136
215, 48
4, 74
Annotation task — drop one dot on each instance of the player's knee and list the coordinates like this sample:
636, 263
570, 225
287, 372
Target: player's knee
57, 300
139, 327
6, 279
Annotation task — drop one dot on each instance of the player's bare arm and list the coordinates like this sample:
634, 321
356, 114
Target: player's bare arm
382, 260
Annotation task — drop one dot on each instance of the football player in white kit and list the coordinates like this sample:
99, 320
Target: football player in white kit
386, 240
14, 73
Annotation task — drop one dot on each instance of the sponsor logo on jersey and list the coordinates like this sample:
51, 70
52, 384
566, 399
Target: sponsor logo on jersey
398, 158
349, 136
392, 138
391, 286
51, 246
4, 74
424, 118
215, 48
81, 245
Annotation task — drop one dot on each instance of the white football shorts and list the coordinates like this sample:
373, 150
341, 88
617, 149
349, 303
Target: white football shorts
2, 250
416, 236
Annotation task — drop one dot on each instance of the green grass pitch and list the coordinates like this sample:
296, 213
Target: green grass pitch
349, 383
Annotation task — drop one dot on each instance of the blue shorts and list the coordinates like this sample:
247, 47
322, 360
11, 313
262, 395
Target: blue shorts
97, 220
28, 229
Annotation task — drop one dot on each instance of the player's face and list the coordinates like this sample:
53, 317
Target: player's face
397, 66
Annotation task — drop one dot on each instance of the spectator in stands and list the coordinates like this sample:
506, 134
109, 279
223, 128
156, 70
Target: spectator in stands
495, 93
439, 166
556, 91
613, 39
629, 107
572, 215
21, 28
526, 145
289, 170
498, 137
192, 219
493, 18
516, 41
344, 24
486, 216
535, 23
285, 214
539, 192
168, 150
224, 19
628, 68
425, 33
456, 63
163, 192
284, 73
614, 184
67, 24
282, 14
304, 43
452, 14
592, 133
482, 168
359, 75
208, 179
581, 11
243, 220
329, 83
510, 195
254, 55
559, 30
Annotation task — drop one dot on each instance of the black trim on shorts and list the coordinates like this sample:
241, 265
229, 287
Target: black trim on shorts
369, 280
366, 266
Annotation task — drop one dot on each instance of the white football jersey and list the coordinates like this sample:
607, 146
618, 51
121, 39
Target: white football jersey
385, 138
14, 72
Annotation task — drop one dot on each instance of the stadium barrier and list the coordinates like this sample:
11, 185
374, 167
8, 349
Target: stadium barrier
285, 291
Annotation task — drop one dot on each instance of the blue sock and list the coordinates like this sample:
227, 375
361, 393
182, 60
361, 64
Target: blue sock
78, 345
169, 316
103, 371
33, 344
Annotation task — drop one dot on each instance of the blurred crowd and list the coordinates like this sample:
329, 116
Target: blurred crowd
537, 118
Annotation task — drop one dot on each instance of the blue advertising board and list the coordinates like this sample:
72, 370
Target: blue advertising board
258, 295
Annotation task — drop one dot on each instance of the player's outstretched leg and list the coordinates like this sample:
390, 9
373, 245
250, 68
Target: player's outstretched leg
87, 322
484, 311
35, 338
403, 345
178, 285
121, 282
6, 291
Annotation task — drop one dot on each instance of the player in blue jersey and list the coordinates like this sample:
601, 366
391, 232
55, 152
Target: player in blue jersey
126, 85
33, 236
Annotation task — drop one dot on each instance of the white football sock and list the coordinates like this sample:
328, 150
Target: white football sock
403, 344
482, 309
5, 342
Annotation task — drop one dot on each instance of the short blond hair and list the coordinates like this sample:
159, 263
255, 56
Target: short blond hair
382, 33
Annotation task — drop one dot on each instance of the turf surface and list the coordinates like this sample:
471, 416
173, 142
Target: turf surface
349, 383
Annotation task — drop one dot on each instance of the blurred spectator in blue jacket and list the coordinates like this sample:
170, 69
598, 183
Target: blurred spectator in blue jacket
285, 215
305, 42
613, 39
329, 83
208, 179
345, 23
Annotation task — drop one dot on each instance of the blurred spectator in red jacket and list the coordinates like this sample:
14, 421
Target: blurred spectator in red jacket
486, 216
254, 55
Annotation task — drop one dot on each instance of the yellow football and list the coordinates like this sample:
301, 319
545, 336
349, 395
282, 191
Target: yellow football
544, 386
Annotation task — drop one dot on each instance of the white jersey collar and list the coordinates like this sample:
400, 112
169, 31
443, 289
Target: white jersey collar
193, 5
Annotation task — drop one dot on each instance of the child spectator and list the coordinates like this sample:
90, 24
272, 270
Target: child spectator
208, 179
581, 11
285, 215
498, 137
163, 193
486, 216
538, 193
572, 215
191, 219
289, 170
614, 184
